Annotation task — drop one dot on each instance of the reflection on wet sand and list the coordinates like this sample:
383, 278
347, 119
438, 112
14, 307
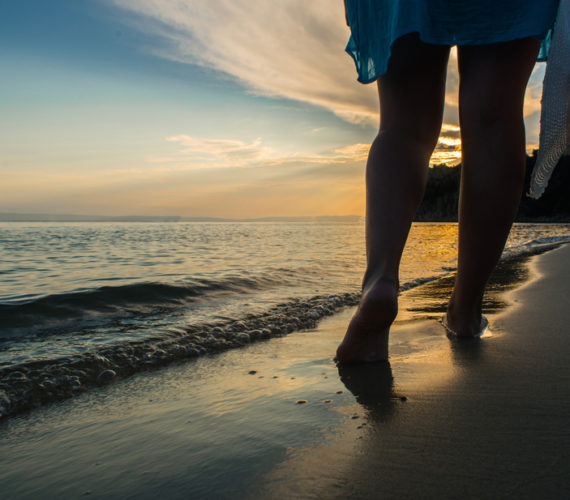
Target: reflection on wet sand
494, 427
429, 301
398, 422
372, 384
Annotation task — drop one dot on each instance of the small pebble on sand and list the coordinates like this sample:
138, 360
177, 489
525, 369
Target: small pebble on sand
403, 398
301, 401
252, 372
327, 401
339, 392
354, 417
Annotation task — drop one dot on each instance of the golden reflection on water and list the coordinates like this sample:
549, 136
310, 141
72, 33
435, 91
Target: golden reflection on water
429, 301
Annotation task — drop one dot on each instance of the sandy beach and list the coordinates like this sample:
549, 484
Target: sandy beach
277, 419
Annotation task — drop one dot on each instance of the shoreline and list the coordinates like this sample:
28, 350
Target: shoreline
30, 385
444, 418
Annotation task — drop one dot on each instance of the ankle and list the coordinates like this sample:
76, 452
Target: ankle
373, 277
464, 319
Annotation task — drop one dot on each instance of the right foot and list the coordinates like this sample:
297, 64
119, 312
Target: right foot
463, 324
366, 338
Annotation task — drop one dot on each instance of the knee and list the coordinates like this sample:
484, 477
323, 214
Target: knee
482, 108
415, 138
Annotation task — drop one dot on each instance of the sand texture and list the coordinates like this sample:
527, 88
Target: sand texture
277, 419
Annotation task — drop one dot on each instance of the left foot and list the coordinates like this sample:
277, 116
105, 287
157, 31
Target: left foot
366, 338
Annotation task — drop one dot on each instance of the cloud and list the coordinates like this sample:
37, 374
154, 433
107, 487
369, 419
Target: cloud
445, 156
225, 149
208, 153
211, 153
450, 129
357, 151
447, 142
292, 49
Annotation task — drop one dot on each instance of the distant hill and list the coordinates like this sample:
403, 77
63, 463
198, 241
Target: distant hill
441, 198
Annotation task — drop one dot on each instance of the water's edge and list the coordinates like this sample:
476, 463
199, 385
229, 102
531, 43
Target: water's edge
29, 385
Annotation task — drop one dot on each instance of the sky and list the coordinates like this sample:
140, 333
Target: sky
220, 108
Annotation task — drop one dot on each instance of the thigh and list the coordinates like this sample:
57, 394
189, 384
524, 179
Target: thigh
493, 79
412, 91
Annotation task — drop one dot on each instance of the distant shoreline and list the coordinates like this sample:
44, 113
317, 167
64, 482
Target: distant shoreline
50, 218
22, 217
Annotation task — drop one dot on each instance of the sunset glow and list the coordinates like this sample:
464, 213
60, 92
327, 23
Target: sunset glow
161, 107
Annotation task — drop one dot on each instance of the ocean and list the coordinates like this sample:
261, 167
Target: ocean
84, 303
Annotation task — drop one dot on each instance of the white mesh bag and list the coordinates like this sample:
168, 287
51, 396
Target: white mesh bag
554, 116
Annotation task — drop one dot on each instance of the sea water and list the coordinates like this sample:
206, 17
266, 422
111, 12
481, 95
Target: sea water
84, 303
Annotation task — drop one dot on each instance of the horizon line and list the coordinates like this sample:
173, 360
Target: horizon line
58, 217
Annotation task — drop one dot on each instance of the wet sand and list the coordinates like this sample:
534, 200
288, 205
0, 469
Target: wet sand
277, 419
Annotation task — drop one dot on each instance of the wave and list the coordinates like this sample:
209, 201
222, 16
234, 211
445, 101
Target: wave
27, 385
55, 311
535, 245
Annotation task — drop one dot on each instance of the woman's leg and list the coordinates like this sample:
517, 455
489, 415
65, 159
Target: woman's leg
493, 79
411, 105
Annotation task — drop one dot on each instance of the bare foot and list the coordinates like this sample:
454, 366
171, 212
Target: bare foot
366, 339
464, 323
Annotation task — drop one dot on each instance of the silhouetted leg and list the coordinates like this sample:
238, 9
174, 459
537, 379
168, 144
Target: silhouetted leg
411, 105
493, 79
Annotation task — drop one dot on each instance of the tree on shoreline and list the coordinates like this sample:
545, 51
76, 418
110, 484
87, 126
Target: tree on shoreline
441, 197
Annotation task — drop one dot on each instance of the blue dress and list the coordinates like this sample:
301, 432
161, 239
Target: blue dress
376, 24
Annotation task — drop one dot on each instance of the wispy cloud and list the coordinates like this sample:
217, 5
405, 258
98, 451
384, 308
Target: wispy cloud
292, 49
226, 149
357, 151
209, 153
213, 153
450, 129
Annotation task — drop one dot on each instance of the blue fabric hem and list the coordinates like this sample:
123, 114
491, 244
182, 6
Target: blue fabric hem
352, 49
